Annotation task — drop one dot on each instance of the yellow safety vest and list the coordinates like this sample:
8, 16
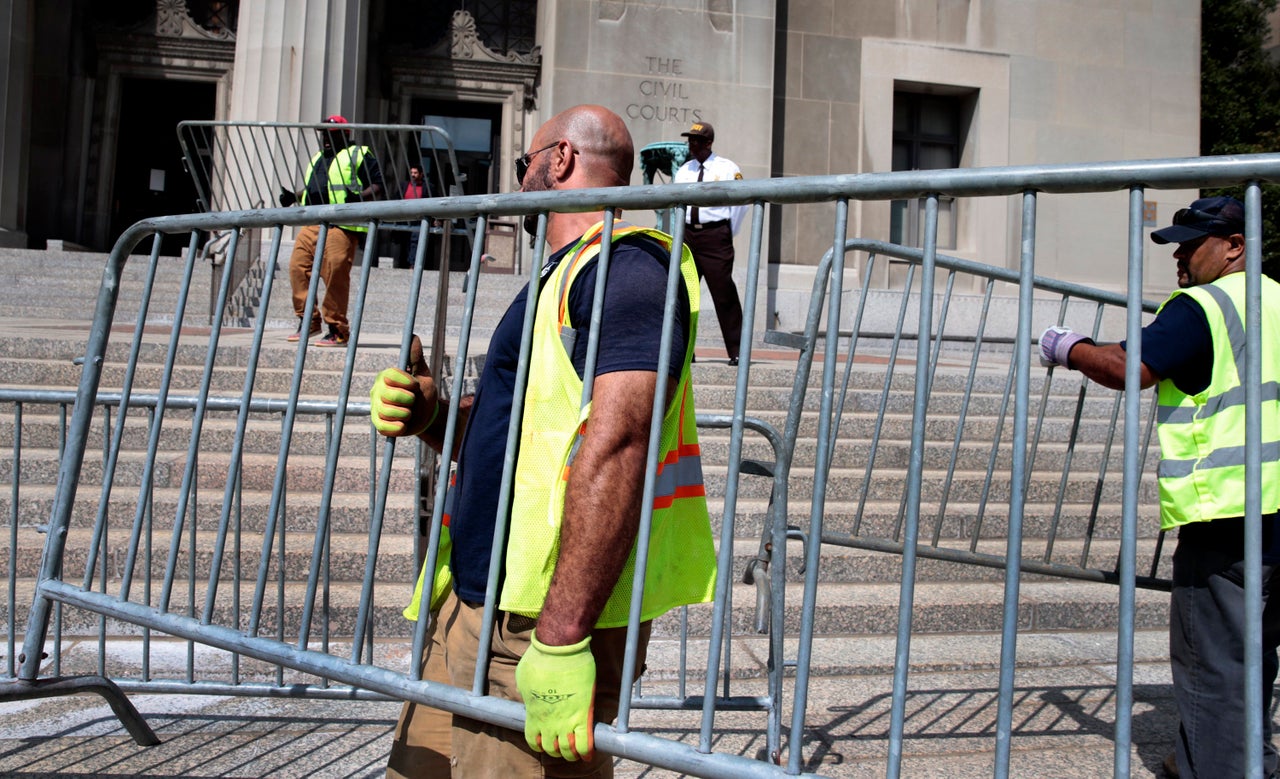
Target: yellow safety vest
1201, 472
344, 171
681, 565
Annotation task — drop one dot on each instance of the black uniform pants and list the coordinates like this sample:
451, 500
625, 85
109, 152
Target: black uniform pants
1207, 644
712, 247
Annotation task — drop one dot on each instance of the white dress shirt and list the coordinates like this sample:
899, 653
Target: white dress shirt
716, 168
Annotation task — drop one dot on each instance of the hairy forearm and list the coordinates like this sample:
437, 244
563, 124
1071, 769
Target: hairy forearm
602, 507
1105, 364
433, 434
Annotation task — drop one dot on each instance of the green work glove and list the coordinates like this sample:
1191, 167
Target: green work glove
394, 399
558, 684
442, 580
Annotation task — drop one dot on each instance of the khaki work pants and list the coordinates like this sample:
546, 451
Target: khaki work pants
433, 743
335, 272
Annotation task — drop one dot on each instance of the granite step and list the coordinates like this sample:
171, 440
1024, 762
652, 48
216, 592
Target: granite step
842, 609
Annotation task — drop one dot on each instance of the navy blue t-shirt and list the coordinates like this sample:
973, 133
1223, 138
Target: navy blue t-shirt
1178, 346
630, 337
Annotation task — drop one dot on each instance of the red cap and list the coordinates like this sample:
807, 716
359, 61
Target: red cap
335, 119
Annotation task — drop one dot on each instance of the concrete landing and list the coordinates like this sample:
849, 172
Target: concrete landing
1063, 719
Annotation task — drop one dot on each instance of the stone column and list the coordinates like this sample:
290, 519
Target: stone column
15, 118
299, 60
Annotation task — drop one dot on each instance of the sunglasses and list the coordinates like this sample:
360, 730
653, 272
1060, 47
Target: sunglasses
523, 162
1195, 216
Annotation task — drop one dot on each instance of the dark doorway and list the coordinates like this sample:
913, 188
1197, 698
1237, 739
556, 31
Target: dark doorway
475, 130
150, 178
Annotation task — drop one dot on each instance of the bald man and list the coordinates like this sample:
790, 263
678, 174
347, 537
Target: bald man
560, 628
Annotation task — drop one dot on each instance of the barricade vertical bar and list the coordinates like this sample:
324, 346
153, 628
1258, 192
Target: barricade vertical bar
963, 415
233, 487
933, 369
1103, 464
1253, 482
153, 445
1017, 485
451, 419
715, 642
258, 162
902, 654
191, 569
189, 475
1073, 436
994, 457
804, 651
148, 580
657, 412
855, 330
236, 566
102, 619
238, 164
14, 491
427, 557
508, 458
773, 733
126, 390
1132, 475
365, 610
73, 456
275, 514
189, 140
886, 386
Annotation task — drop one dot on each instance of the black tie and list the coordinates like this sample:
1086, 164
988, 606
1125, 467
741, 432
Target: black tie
693, 210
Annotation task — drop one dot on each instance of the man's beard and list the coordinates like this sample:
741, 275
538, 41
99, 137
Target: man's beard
538, 180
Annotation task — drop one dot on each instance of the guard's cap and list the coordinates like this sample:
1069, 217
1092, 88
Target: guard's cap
1207, 216
702, 130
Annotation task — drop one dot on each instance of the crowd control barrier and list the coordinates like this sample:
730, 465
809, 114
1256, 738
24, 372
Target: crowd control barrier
221, 579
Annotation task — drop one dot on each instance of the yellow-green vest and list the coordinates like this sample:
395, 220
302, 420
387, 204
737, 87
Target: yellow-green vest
1201, 472
344, 171
681, 565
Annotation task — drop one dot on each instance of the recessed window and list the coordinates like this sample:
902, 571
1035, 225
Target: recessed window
926, 136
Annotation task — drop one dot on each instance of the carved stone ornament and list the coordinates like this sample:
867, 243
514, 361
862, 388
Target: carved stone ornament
465, 44
173, 20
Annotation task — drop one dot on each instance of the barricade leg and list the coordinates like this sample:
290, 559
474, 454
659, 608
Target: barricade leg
21, 690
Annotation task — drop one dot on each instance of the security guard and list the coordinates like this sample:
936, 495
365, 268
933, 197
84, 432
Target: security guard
1194, 351
709, 232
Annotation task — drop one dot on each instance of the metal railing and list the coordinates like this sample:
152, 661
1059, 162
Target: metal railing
924, 477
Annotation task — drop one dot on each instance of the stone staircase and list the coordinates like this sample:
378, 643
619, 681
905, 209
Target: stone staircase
46, 297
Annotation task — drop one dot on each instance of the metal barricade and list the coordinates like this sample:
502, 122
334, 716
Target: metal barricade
239, 166
194, 604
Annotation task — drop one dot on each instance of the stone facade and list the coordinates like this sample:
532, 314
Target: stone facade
805, 87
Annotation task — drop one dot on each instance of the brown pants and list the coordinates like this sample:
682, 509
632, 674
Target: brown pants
712, 249
335, 272
425, 745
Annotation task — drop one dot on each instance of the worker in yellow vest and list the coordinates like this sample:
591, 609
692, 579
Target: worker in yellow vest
1194, 352
340, 172
565, 587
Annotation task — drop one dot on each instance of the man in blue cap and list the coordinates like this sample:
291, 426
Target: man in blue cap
1194, 351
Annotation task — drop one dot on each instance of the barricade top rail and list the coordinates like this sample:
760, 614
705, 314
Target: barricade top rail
1174, 173
243, 165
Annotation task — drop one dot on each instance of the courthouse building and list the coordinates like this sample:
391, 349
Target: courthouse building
92, 93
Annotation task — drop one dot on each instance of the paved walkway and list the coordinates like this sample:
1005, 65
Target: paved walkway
1063, 719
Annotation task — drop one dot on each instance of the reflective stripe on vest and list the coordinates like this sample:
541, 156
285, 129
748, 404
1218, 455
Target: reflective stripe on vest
344, 171
1201, 471
681, 555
